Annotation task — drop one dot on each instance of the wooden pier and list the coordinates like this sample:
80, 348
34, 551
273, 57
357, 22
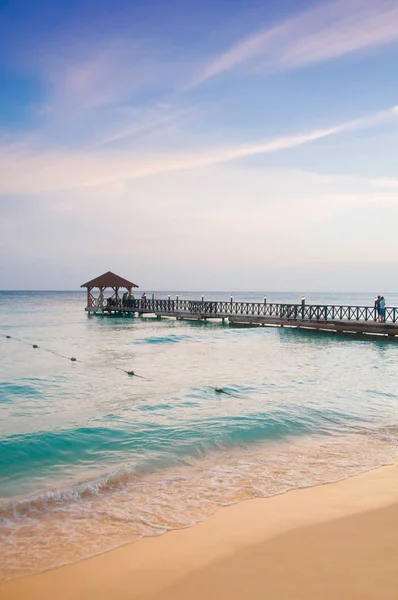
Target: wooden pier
350, 320
359, 320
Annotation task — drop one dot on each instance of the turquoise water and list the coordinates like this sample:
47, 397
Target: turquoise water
91, 458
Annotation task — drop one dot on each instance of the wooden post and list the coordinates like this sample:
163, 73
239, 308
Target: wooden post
128, 305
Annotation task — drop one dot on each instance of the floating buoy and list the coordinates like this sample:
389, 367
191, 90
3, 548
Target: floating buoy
8, 337
219, 390
35, 346
130, 372
73, 359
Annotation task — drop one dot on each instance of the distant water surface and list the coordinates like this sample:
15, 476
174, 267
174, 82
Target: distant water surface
91, 458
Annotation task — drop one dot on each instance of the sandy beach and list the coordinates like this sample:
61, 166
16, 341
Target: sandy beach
337, 540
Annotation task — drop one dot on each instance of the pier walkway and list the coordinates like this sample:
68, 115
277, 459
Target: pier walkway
357, 320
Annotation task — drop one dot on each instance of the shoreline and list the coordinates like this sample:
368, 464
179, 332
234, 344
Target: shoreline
50, 536
186, 560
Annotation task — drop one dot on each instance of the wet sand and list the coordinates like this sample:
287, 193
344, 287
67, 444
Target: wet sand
333, 541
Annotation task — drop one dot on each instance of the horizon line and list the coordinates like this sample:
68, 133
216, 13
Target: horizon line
209, 291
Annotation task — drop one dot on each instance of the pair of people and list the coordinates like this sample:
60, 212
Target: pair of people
128, 299
380, 306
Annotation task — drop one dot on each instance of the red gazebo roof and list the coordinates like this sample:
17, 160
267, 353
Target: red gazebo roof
109, 279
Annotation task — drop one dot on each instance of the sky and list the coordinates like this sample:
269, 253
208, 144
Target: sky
185, 145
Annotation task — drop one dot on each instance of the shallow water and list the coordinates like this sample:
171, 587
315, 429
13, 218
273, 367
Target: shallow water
91, 458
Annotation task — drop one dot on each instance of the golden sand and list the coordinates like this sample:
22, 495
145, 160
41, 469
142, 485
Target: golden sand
335, 541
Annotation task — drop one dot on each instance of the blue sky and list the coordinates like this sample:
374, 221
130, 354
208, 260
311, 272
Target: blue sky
199, 145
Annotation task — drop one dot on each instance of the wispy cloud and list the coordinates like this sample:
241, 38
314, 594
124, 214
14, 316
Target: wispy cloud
327, 31
109, 72
139, 120
29, 171
101, 89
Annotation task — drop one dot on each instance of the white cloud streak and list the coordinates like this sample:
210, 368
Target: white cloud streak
30, 172
152, 119
323, 33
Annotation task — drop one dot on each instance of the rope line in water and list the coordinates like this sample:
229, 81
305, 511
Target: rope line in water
218, 390
70, 358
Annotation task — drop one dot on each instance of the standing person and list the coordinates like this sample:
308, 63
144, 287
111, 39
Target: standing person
382, 310
377, 307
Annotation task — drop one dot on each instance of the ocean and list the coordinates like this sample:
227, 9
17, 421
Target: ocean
91, 459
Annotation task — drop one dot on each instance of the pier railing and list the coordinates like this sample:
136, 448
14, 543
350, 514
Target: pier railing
293, 312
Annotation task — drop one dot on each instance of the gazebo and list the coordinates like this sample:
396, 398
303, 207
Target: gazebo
106, 281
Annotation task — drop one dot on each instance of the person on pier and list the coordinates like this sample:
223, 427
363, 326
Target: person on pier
131, 300
382, 310
377, 307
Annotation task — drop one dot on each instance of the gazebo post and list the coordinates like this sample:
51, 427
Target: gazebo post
90, 297
117, 299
